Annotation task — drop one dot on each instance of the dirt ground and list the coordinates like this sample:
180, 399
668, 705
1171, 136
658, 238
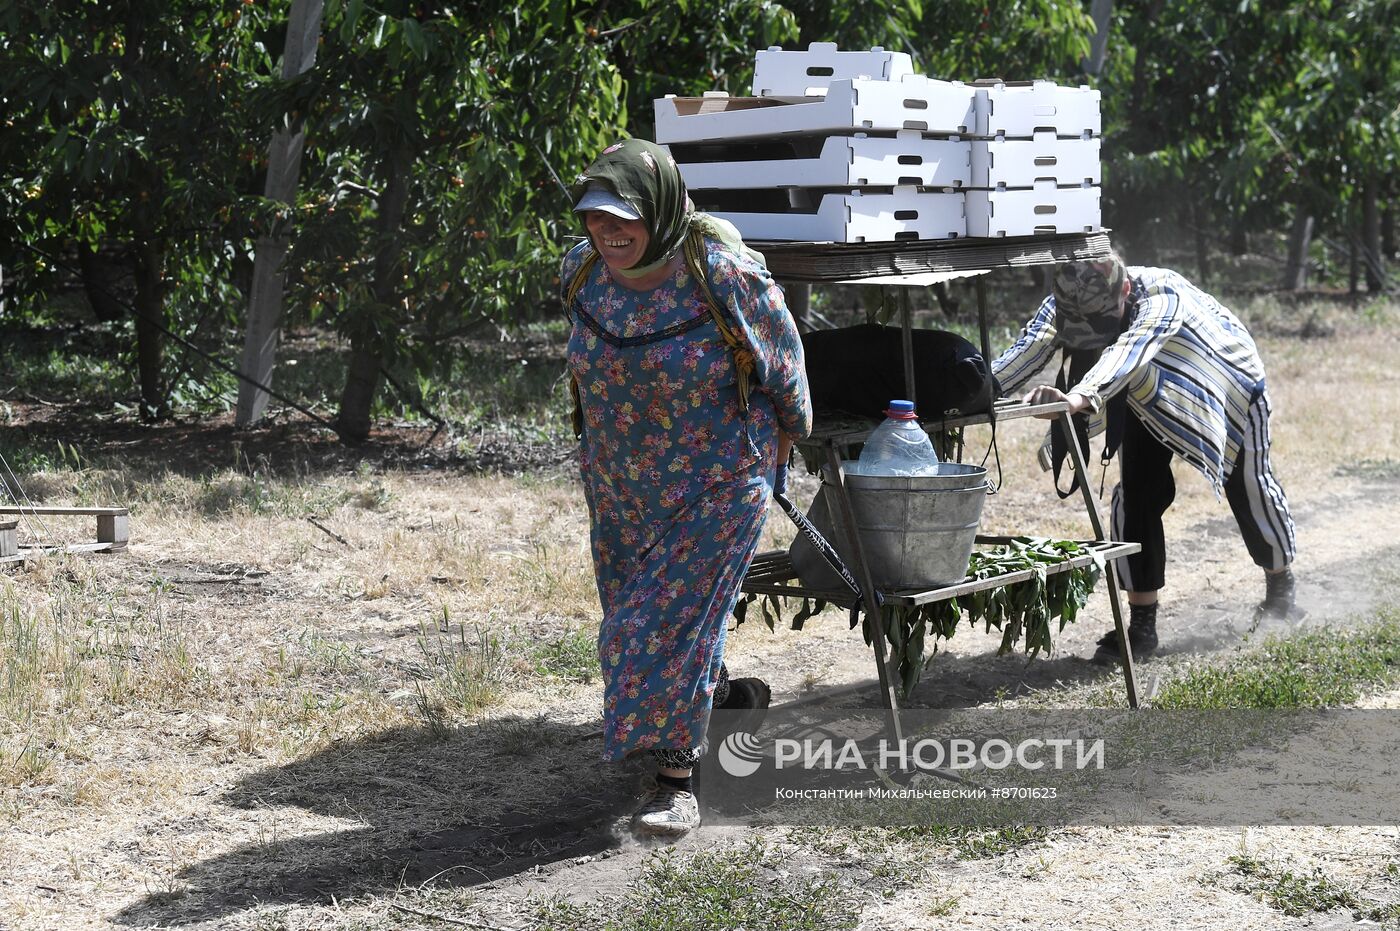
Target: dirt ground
271, 743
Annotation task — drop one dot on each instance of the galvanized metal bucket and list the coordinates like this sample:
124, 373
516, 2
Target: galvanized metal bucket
917, 532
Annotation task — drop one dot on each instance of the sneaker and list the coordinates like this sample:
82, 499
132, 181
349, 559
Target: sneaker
1278, 603
1142, 637
666, 812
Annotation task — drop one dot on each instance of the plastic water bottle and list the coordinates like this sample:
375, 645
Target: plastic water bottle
899, 446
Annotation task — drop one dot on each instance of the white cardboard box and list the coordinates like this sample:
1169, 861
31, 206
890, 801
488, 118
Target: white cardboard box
1044, 209
1020, 163
906, 214
914, 102
777, 73
1025, 110
846, 161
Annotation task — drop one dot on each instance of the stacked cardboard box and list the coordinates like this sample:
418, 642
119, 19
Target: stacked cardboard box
1035, 160
854, 147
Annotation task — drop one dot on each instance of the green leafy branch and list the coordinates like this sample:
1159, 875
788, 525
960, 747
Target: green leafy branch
1022, 610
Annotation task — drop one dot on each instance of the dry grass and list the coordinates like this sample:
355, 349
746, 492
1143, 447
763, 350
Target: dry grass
242, 699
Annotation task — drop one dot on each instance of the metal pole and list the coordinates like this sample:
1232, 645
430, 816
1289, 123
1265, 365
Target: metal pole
1081, 470
869, 600
906, 327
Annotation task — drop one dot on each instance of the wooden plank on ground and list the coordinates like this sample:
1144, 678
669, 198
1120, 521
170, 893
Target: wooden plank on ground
61, 511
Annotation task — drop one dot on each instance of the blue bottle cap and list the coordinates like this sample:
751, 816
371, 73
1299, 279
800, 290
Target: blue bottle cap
903, 407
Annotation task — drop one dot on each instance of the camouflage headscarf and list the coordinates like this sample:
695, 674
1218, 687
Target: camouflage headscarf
645, 175
1086, 304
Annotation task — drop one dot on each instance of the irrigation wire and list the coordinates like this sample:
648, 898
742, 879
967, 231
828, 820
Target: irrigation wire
46, 536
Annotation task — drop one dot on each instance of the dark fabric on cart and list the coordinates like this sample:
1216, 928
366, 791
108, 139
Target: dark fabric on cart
860, 369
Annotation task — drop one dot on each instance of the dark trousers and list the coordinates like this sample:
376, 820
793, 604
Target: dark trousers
1146, 489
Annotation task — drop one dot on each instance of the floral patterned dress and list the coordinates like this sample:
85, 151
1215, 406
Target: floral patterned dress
676, 477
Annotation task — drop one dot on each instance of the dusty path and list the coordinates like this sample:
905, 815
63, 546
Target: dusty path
258, 801
1344, 492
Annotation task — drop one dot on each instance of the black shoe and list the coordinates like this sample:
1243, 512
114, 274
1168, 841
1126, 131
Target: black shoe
1142, 637
746, 693
745, 708
1278, 603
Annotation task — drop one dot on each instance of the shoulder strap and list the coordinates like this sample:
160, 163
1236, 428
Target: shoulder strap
577, 282
744, 365
575, 286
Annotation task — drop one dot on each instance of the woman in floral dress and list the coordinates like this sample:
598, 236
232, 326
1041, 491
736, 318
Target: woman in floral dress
688, 409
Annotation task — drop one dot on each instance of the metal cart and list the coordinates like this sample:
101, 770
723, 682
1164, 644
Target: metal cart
922, 263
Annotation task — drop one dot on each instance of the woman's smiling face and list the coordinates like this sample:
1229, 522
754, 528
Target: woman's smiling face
621, 243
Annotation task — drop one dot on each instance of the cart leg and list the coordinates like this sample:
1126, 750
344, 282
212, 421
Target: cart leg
846, 517
1091, 503
1129, 673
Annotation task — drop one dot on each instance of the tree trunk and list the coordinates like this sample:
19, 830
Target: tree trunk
1202, 243
1388, 230
1102, 12
947, 304
1353, 267
367, 347
1295, 273
1371, 255
1239, 238
147, 263
264, 328
362, 381
99, 281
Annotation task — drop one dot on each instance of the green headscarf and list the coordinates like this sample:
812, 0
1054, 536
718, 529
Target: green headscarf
645, 175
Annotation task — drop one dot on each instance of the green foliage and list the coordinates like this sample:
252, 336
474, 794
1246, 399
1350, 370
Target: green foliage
1305, 893
1240, 109
1320, 669
572, 656
737, 888
1022, 609
438, 140
127, 143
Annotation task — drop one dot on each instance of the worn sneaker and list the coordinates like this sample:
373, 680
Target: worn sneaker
1142, 637
1278, 603
666, 812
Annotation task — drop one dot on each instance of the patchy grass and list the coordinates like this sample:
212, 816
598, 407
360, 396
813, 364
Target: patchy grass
975, 843
571, 656
1318, 669
1296, 893
1384, 470
962, 842
467, 675
738, 888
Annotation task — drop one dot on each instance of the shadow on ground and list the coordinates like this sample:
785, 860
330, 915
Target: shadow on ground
459, 811
489, 802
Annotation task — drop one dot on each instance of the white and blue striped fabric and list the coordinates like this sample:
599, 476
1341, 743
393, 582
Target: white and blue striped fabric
1189, 367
